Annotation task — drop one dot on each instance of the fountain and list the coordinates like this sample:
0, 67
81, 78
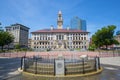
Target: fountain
61, 67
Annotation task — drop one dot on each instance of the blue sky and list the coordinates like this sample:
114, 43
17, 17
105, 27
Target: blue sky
40, 14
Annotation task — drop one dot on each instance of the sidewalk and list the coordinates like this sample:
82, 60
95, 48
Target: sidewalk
110, 61
10, 75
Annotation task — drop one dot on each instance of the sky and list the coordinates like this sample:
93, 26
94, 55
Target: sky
41, 14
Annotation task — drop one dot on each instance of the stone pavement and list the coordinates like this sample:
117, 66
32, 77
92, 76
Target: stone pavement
16, 75
110, 61
9, 67
111, 71
111, 67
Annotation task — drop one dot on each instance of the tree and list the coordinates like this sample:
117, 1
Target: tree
5, 39
104, 37
2, 38
9, 39
92, 47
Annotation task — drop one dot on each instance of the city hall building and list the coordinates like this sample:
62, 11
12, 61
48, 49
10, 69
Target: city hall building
59, 39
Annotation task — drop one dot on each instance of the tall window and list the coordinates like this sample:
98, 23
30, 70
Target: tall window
81, 38
37, 38
84, 38
60, 37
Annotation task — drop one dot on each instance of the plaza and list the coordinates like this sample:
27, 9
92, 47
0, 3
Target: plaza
109, 63
59, 40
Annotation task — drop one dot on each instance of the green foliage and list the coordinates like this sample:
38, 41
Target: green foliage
17, 46
5, 38
104, 37
92, 47
24, 49
48, 49
78, 49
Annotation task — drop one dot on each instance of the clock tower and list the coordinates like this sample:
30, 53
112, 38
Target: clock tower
60, 20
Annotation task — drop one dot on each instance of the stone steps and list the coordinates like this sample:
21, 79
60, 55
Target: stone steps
40, 71
78, 67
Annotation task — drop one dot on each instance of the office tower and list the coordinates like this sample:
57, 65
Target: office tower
20, 33
77, 23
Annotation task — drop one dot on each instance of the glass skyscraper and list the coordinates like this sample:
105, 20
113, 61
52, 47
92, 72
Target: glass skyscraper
77, 23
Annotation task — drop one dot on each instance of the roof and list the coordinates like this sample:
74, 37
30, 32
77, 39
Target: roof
59, 31
16, 24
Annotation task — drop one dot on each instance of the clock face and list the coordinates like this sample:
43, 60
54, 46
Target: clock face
59, 65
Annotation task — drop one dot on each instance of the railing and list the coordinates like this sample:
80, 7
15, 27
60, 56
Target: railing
45, 66
102, 53
109, 53
12, 54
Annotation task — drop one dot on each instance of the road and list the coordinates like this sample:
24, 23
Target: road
8, 67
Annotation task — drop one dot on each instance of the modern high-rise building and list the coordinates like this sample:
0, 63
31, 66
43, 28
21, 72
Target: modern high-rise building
20, 33
59, 38
84, 27
77, 23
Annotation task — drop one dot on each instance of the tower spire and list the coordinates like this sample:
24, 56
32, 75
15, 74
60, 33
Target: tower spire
60, 20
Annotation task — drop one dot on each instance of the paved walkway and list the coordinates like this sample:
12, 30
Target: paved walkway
9, 68
111, 70
110, 61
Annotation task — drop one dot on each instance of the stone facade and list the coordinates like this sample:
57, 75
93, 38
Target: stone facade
20, 33
59, 39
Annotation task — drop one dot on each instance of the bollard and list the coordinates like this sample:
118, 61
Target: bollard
24, 63
21, 63
36, 66
23, 66
54, 67
83, 62
95, 64
99, 62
